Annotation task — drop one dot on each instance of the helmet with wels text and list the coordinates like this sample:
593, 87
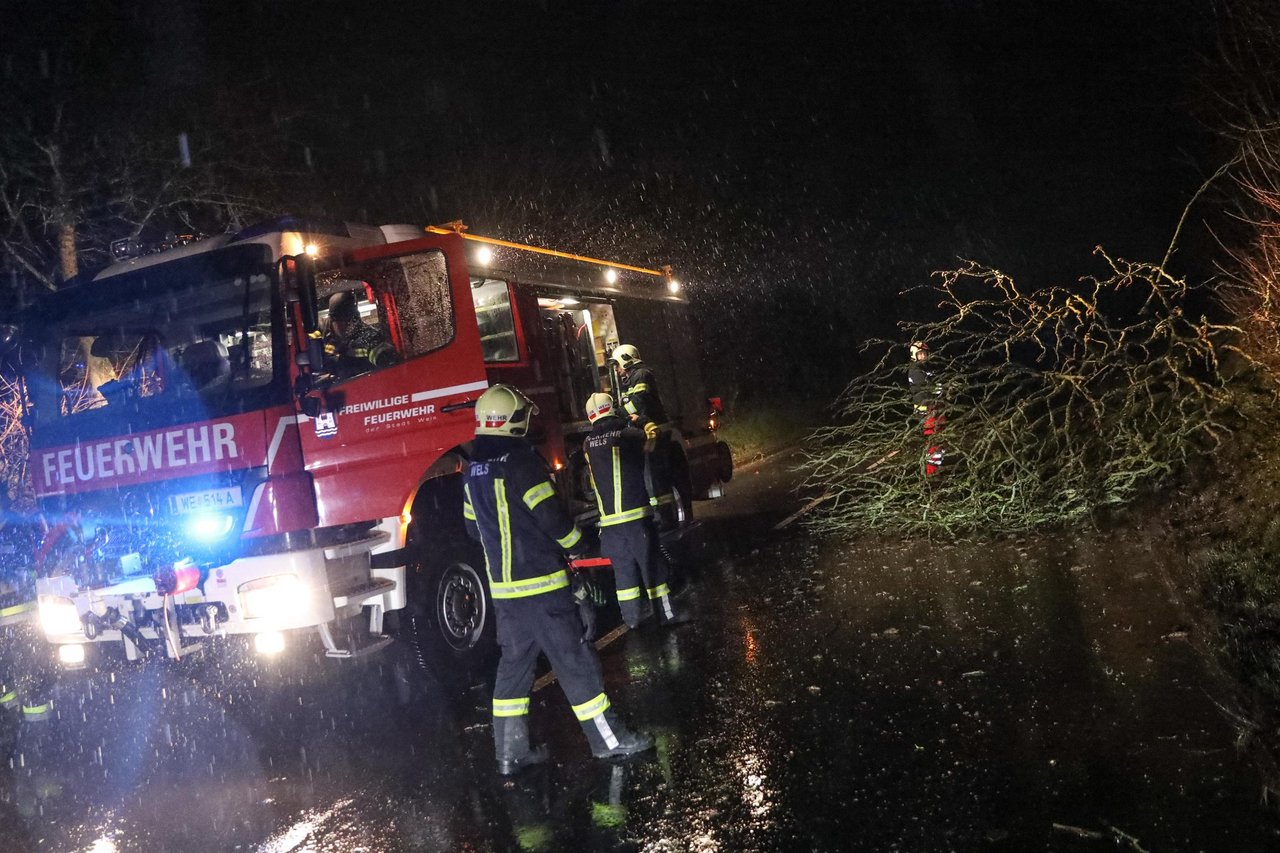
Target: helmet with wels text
918, 347
502, 410
599, 405
625, 355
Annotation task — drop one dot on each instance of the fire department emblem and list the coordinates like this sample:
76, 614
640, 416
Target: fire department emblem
326, 424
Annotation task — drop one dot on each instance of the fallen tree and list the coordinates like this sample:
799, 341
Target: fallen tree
1057, 404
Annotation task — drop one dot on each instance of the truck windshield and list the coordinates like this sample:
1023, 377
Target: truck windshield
194, 348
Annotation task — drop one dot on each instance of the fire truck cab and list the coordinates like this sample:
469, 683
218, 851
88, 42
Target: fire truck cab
211, 465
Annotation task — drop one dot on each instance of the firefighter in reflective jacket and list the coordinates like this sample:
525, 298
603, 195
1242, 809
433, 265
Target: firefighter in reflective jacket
615, 456
638, 393
926, 399
512, 508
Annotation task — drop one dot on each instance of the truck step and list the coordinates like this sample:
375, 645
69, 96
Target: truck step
365, 649
364, 592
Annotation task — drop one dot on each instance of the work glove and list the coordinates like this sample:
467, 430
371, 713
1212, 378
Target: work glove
584, 596
650, 430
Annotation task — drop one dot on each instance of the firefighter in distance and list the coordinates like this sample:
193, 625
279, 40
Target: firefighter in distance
638, 393
616, 457
926, 399
512, 508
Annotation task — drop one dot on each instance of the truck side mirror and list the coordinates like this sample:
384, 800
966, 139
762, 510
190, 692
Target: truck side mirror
311, 406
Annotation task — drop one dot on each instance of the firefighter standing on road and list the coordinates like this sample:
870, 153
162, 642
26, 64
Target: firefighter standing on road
511, 507
638, 393
926, 398
351, 346
615, 456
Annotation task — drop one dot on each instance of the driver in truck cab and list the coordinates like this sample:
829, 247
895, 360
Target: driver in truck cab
351, 346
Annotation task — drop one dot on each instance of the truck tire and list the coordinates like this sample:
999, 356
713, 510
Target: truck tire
682, 488
449, 619
461, 608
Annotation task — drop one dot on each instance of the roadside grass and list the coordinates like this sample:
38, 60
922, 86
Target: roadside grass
753, 432
1241, 582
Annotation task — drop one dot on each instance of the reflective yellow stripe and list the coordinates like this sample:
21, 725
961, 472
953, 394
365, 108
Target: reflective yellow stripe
468, 511
623, 517
630, 407
530, 586
538, 494
638, 388
664, 499
16, 609
596, 488
33, 710
573, 537
504, 526
659, 590
11, 696
631, 593
592, 708
617, 480
510, 707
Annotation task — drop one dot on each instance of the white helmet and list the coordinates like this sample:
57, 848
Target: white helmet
599, 405
918, 347
625, 355
502, 410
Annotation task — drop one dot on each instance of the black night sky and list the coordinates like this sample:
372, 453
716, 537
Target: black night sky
801, 164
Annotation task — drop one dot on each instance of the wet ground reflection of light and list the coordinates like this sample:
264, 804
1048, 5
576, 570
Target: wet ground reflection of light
102, 845
756, 791
291, 839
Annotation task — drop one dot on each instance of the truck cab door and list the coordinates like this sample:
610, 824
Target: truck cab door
371, 430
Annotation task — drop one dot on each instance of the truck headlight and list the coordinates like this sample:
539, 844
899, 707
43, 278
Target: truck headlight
209, 526
71, 655
268, 643
277, 596
58, 615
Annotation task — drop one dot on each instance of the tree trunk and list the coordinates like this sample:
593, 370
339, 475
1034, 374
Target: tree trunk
67, 251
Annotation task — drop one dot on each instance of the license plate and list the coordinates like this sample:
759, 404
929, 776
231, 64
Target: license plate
206, 500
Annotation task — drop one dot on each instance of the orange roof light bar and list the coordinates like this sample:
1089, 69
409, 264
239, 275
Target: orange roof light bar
460, 229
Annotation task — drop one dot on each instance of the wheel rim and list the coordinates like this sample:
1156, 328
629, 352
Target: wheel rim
460, 606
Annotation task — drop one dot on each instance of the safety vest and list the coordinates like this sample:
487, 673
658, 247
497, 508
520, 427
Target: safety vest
511, 506
615, 456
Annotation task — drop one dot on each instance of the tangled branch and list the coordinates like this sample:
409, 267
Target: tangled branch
1057, 403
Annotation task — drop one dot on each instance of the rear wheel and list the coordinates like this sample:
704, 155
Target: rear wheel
681, 489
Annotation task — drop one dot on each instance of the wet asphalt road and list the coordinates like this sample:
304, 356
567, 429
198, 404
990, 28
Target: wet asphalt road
1036, 695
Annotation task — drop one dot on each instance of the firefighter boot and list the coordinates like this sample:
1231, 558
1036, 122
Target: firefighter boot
610, 739
660, 597
511, 741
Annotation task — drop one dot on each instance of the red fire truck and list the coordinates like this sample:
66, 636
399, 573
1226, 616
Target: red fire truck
209, 478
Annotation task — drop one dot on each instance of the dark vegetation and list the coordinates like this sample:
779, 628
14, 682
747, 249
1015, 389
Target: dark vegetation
1133, 398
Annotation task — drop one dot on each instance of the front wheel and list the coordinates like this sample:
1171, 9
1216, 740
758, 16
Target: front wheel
449, 619
462, 611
